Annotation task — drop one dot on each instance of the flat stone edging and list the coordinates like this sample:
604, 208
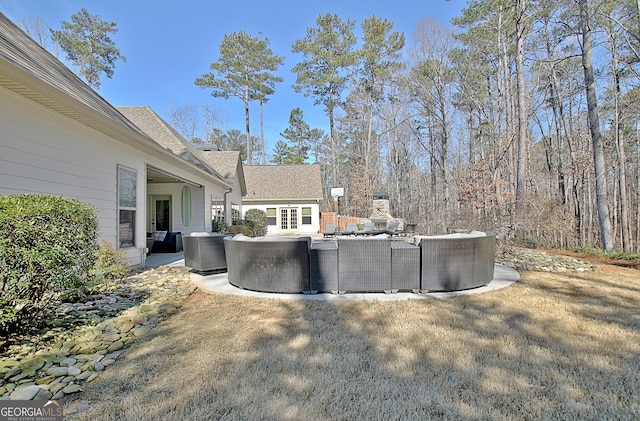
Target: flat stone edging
219, 283
84, 351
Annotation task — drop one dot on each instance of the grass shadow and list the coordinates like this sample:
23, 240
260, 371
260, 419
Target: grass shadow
535, 350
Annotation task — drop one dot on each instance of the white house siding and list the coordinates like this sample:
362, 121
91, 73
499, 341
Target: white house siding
46, 153
43, 152
312, 228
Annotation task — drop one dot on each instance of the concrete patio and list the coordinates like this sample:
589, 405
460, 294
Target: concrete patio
219, 283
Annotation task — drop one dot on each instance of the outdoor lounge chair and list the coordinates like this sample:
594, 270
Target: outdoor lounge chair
366, 230
329, 230
392, 229
350, 229
171, 243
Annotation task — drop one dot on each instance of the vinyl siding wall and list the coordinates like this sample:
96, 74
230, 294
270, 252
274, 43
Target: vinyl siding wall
44, 152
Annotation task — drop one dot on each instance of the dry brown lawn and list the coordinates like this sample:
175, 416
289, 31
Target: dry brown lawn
552, 346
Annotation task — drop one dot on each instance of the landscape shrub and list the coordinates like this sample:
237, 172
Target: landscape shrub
588, 250
631, 258
47, 245
110, 263
240, 229
257, 220
218, 226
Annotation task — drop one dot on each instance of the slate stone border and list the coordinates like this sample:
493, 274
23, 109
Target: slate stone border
92, 335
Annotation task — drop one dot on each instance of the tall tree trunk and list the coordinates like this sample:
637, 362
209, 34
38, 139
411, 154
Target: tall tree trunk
333, 140
442, 152
368, 148
521, 170
638, 10
637, 195
625, 227
264, 159
332, 135
606, 232
246, 120
567, 133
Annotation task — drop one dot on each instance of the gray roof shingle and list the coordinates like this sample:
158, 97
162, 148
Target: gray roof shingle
283, 182
166, 136
227, 164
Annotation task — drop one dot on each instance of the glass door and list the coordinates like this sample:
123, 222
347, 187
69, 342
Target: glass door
161, 213
288, 219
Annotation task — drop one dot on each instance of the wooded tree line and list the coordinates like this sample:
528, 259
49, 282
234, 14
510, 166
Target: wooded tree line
522, 118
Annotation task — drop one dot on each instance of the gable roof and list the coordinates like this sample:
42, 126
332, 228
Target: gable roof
228, 164
283, 182
166, 136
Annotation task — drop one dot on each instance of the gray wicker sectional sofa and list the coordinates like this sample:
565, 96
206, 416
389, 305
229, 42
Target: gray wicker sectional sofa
360, 264
269, 264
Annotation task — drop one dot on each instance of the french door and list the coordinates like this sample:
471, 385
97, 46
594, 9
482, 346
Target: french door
288, 219
161, 213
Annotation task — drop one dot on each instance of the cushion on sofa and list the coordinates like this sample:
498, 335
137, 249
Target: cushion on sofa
159, 235
472, 234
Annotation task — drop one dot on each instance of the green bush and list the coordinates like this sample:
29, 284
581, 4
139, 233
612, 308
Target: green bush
619, 255
589, 250
218, 226
47, 245
257, 220
110, 263
240, 229
633, 257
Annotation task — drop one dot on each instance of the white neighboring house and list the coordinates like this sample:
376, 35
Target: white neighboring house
289, 194
59, 137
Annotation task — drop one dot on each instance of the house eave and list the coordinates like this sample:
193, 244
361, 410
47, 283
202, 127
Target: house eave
37, 90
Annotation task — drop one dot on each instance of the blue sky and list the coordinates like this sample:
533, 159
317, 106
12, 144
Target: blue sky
168, 44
